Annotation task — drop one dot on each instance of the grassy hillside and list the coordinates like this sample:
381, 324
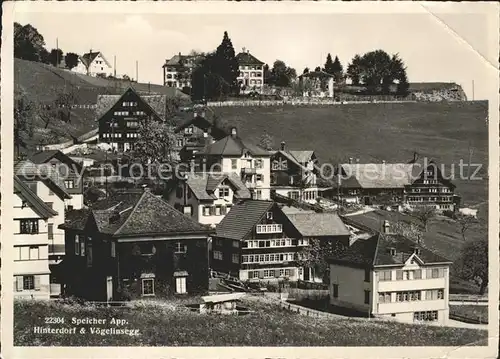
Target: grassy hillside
269, 325
376, 132
42, 83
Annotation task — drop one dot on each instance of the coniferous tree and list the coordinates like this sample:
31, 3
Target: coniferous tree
329, 65
226, 64
337, 70
306, 71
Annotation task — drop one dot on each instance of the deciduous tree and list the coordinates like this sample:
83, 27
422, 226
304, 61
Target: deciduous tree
55, 57
465, 223
282, 75
71, 60
425, 214
266, 142
473, 263
28, 43
156, 143
316, 255
355, 69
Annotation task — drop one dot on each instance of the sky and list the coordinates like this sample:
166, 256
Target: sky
435, 48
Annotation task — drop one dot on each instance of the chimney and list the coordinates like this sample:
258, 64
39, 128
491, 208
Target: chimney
205, 134
233, 132
386, 227
283, 145
350, 160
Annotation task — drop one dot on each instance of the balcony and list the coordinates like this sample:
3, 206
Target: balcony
415, 284
410, 306
248, 170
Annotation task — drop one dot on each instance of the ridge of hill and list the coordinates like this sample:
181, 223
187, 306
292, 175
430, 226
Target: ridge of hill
41, 83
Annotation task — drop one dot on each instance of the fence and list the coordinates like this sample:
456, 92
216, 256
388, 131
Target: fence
468, 298
300, 294
469, 320
302, 102
306, 311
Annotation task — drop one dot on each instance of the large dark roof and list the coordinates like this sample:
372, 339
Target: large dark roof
203, 184
245, 58
318, 224
36, 203
135, 214
233, 146
45, 156
242, 217
376, 251
29, 170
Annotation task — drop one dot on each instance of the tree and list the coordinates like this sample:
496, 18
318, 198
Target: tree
306, 71
282, 75
206, 82
465, 222
71, 60
425, 214
55, 57
268, 76
329, 65
28, 43
156, 143
266, 142
317, 69
316, 254
403, 85
226, 65
355, 69
473, 263
337, 70
24, 111
408, 230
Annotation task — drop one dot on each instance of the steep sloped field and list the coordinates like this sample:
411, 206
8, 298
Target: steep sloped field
377, 132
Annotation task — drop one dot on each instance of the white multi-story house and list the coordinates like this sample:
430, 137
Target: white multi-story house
44, 184
317, 84
207, 197
389, 276
93, 64
251, 77
294, 174
33, 219
250, 162
178, 69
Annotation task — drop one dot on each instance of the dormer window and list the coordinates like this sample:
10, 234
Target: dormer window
269, 215
392, 251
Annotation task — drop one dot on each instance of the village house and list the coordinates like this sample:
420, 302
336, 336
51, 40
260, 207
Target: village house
232, 154
134, 245
93, 64
317, 84
390, 276
69, 171
415, 184
257, 241
119, 116
251, 77
207, 197
294, 174
32, 220
195, 133
178, 69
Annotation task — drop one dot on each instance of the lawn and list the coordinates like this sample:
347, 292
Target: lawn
269, 325
376, 132
474, 312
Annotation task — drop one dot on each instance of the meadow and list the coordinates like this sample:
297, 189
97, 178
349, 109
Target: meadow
163, 324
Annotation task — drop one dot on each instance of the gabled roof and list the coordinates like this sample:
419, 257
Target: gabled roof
137, 214
242, 217
30, 170
245, 58
203, 184
318, 224
316, 74
89, 57
375, 251
46, 156
157, 103
380, 175
36, 203
178, 60
233, 146
302, 156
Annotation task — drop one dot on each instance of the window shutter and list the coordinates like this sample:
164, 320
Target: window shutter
292, 272
261, 274
18, 283
37, 282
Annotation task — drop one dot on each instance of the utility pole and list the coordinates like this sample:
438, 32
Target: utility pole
57, 52
114, 67
473, 95
137, 71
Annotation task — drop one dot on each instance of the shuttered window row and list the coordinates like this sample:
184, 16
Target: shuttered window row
272, 273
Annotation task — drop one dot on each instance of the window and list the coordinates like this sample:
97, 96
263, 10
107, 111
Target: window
425, 316
259, 177
367, 297
234, 164
113, 249
407, 296
269, 215
435, 294
223, 192
69, 184
385, 275
206, 211
28, 282
407, 275
180, 247
287, 272
399, 274
258, 164
218, 210
335, 290
384, 297
236, 258
148, 286
367, 275
188, 210
89, 255
417, 274
29, 226
82, 248
180, 285
189, 193
258, 194
236, 244
50, 229
435, 272
77, 245
218, 255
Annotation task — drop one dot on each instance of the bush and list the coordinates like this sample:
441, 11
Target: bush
449, 214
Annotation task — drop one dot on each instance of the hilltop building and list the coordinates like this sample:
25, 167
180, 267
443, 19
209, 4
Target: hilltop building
251, 77
317, 84
93, 64
178, 69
